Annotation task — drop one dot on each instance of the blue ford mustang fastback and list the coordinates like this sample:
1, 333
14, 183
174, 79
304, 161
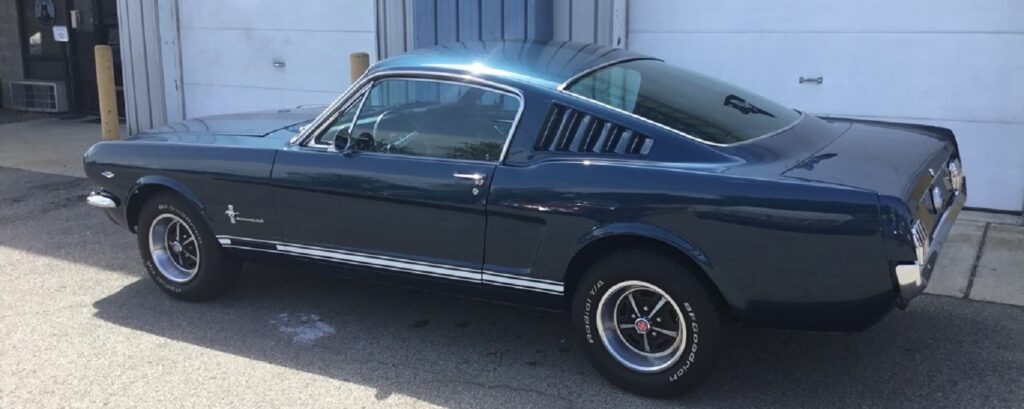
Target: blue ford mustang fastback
654, 203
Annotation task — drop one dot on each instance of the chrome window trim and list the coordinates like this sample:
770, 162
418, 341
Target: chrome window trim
588, 71
367, 81
563, 89
362, 98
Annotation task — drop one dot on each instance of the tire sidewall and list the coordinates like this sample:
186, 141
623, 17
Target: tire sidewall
702, 323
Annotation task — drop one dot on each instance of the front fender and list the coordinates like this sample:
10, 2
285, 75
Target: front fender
139, 191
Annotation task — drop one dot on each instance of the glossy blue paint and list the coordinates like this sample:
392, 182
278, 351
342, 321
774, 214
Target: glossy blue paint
800, 230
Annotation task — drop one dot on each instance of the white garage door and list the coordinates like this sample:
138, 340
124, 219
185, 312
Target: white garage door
244, 55
952, 63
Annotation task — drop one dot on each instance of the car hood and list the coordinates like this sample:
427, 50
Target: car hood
888, 158
248, 127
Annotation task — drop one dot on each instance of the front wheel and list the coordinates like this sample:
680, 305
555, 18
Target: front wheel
180, 252
647, 323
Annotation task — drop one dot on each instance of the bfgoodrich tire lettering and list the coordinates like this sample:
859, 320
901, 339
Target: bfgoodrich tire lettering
646, 295
213, 270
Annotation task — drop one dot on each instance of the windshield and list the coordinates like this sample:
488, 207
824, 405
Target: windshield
691, 103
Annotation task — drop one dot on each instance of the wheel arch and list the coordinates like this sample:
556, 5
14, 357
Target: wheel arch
146, 187
612, 238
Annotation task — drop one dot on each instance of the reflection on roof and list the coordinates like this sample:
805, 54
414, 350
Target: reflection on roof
545, 64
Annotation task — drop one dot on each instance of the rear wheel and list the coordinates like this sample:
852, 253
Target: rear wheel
180, 252
648, 323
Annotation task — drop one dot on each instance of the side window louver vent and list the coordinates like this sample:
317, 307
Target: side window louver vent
569, 130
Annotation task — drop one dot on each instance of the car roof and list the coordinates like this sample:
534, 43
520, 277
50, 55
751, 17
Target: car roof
541, 63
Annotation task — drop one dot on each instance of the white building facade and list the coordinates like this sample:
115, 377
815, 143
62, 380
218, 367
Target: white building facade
948, 63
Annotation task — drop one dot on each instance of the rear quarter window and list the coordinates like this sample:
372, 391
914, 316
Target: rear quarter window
694, 104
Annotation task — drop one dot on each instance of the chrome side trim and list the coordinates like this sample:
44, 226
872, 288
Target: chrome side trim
384, 263
398, 264
512, 282
539, 280
324, 119
101, 201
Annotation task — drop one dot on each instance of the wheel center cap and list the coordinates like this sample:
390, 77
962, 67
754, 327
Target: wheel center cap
176, 248
642, 326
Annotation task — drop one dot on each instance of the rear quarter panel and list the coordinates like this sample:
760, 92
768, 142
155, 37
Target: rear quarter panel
783, 254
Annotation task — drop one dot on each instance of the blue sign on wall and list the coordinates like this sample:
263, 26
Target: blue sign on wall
45, 12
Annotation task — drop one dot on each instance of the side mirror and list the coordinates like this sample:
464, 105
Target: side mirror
341, 140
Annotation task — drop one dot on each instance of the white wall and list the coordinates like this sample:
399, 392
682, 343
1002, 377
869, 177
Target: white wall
952, 63
228, 48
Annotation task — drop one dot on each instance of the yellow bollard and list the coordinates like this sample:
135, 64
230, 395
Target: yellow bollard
358, 64
108, 96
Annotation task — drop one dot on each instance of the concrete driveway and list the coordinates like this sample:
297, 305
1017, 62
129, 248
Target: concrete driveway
81, 326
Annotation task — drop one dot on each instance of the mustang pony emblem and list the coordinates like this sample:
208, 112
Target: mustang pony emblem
233, 215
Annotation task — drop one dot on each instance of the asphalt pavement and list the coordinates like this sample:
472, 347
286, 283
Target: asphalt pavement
81, 326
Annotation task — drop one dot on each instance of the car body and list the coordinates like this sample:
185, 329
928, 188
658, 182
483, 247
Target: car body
810, 222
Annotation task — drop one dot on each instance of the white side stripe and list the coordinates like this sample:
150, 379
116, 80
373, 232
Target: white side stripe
493, 279
378, 262
410, 266
536, 280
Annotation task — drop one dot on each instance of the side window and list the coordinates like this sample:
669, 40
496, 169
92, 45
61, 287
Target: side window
340, 125
435, 119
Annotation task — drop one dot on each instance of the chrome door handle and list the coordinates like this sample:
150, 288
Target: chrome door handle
477, 178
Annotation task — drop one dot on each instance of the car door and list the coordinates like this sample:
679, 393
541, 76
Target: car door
409, 192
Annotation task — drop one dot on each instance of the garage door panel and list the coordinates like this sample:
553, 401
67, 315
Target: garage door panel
986, 16
219, 99
937, 76
309, 15
314, 61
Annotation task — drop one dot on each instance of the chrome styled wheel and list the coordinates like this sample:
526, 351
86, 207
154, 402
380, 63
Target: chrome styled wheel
641, 326
174, 248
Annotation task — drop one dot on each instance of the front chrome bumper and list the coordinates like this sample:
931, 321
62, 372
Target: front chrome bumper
913, 278
102, 200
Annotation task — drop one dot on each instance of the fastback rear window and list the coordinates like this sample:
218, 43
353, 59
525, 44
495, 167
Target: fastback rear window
691, 103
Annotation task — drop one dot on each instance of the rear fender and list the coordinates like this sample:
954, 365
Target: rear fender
651, 232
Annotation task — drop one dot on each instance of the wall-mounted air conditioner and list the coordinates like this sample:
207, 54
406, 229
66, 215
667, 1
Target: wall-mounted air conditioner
38, 96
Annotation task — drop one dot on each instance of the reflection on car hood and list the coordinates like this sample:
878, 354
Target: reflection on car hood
243, 124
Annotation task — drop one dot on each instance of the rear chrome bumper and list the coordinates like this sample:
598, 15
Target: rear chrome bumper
913, 278
102, 200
